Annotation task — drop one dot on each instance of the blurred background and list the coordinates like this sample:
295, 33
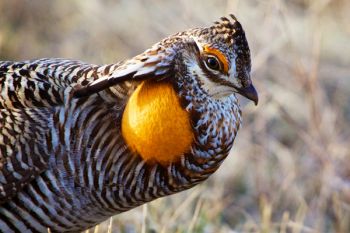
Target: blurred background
289, 170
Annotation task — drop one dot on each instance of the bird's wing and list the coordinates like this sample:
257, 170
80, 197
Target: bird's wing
22, 156
154, 63
29, 93
31, 90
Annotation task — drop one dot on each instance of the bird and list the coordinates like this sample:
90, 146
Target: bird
80, 143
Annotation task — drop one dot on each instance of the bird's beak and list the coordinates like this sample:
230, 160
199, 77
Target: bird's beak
249, 92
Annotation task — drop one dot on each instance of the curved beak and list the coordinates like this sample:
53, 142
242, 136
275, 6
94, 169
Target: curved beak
249, 92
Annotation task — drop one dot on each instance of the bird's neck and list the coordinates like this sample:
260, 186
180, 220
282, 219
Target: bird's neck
215, 123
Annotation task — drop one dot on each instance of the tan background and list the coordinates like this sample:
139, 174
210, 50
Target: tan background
289, 170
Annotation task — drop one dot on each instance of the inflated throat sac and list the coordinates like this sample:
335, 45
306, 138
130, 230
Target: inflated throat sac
155, 125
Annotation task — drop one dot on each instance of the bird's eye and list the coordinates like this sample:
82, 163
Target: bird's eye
212, 62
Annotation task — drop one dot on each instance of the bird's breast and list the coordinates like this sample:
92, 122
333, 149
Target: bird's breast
155, 125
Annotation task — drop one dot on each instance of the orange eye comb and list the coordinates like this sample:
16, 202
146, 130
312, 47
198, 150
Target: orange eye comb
219, 55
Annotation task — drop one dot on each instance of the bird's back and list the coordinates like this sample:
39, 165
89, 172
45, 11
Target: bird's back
49, 143
31, 93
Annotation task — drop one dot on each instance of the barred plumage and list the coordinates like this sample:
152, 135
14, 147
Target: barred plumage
65, 163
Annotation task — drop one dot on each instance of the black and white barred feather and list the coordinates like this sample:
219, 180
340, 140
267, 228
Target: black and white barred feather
64, 164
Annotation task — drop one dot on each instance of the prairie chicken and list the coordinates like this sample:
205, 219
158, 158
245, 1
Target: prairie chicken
80, 143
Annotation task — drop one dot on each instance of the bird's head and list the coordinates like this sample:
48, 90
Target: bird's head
218, 56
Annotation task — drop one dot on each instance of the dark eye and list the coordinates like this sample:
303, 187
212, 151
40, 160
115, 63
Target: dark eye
212, 62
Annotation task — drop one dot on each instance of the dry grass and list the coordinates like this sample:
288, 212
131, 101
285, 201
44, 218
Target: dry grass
289, 170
